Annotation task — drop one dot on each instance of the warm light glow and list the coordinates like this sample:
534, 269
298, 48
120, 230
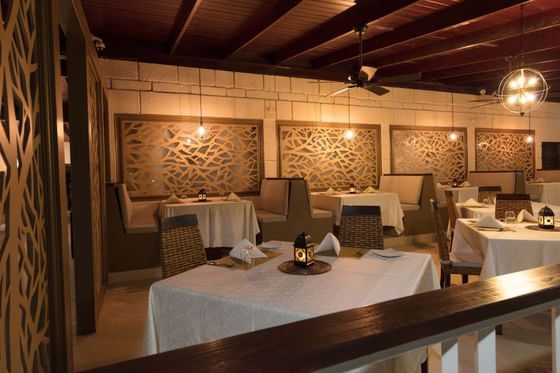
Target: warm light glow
348, 134
530, 96
201, 130
513, 84
529, 139
532, 82
453, 136
512, 99
522, 90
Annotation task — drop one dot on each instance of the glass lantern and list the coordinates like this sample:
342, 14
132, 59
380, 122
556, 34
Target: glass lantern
202, 195
546, 218
304, 254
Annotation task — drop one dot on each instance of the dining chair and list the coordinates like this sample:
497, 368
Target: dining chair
452, 210
360, 226
180, 244
488, 192
512, 202
450, 265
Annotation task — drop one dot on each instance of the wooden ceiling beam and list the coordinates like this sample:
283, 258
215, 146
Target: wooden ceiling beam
261, 22
466, 11
182, 21
538, 22
361, 13
549, 69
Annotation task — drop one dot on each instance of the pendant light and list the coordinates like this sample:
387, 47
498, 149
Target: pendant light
201, 131
348, 134
453, 136
529, 139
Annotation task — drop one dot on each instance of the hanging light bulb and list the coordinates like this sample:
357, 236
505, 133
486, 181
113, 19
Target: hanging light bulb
529, 138
349, 133
201, 131
453, 136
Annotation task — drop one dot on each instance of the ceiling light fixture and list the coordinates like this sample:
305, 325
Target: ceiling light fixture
348, 134
522, 90
529, 139
453, 136
201, 131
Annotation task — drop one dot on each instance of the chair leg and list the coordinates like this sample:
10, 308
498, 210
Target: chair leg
447, 279
424, 366
465, 279
442, 279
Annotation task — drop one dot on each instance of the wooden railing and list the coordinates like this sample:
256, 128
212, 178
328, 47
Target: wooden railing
352, 338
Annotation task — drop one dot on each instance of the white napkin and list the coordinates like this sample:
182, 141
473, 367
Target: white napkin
330, 242
330, 191
233, 197
440, 185
470, 203
489, 222
369, 189
465, 184
524, 215
245, 251
173, 199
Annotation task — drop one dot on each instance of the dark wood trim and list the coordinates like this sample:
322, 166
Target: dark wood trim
261, 23
49, 119
184, 18
448, 17
324, 341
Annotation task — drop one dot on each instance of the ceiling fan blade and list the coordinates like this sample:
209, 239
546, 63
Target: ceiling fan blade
486, 104
377, 89
485, 98
400, 78
368, 71
341, 90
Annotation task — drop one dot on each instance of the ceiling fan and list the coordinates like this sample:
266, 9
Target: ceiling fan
485, 100
364, 76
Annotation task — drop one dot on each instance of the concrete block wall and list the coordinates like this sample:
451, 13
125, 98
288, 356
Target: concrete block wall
145, 88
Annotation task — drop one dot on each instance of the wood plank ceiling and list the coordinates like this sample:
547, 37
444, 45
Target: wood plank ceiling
456, 45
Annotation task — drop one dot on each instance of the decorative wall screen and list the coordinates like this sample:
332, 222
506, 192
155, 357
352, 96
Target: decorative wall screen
428, 150
504, 150
24, 316
162, 155
325, 158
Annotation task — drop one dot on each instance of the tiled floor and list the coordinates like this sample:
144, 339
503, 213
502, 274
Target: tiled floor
523, 347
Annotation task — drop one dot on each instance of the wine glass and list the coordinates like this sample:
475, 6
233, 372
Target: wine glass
510, 217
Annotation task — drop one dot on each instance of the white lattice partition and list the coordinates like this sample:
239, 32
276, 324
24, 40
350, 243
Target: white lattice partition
420, 150
504, 150
321, 154
162, 155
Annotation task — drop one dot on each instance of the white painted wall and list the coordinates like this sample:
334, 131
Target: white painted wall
143, 88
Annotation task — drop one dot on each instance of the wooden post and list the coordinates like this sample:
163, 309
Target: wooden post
486, 350
450, 356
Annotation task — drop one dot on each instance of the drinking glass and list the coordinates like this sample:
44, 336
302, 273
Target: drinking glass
510, 217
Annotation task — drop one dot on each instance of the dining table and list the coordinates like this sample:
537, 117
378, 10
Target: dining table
391, 211
460, 194
222, 223
545, 192
483, 210
212, 302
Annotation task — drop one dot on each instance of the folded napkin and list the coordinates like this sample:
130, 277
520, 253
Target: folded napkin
246, 251
489, 222
470, 203
465, 184
369, 189
330, 191
173, 199
233, 197
524, 215
329, 243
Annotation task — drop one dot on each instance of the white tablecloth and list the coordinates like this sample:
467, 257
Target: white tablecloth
391, 211
506, 251
221, 223
545, 192
210, 302
479, 212
460, 194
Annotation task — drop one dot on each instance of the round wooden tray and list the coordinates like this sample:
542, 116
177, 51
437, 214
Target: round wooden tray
315, 269
537, 228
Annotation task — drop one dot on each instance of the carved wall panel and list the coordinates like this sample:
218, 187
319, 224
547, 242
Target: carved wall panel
504, 150
326, 159
428, 150
162, 155
24, 316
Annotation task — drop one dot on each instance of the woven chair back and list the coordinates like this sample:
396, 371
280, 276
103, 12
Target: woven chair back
443, 249
512, 202
451, 208
488, 192
360, 226
180, 244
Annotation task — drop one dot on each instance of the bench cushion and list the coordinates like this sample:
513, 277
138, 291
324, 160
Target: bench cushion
504, 179
320, 214
408, 187
409, 207
269, 217
125, 204
274, 196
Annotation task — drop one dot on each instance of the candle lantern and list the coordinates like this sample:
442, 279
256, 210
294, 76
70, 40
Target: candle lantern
546, 218
202, 195
352, 189
303, 250
454, 183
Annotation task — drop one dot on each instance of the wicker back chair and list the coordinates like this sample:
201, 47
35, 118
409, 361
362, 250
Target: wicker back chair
488, 192
451, 209
512, 202
180, 244
448, 265
360, 226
